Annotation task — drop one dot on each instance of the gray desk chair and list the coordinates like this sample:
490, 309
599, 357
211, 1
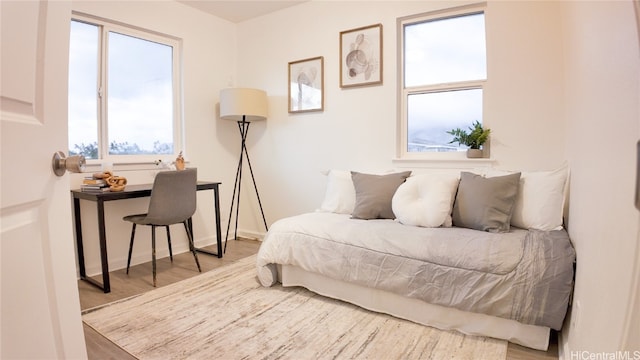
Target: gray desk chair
173, 201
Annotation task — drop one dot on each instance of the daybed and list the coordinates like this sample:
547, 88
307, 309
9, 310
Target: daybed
504, 269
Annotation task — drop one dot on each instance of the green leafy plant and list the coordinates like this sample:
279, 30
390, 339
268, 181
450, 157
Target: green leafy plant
474, 139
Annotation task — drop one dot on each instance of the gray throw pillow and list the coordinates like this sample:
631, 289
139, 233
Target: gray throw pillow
485, 203
374, 194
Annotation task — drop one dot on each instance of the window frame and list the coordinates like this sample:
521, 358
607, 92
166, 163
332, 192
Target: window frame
105, 27
404, 92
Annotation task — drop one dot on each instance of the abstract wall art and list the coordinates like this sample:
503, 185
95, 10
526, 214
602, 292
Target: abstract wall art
306, 85
361, 56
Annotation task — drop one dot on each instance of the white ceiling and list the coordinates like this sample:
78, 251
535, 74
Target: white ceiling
240, 10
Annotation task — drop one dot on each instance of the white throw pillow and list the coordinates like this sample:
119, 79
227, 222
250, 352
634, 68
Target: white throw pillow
425, 200
540, 201
340, 196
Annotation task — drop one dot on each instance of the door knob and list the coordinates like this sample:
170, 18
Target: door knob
61, 163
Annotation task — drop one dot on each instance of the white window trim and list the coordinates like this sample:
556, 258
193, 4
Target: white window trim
135, 161
434, 159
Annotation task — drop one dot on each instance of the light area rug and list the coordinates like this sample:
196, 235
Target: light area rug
226, 314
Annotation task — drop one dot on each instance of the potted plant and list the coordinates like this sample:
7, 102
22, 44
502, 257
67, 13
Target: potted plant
473, 139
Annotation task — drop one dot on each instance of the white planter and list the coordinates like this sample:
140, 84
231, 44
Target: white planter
474, 153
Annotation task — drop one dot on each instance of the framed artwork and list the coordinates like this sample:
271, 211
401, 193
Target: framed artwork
306, 85
361, 56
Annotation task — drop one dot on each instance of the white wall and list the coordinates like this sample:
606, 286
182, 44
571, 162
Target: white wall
602, 103
209, 65
357, 129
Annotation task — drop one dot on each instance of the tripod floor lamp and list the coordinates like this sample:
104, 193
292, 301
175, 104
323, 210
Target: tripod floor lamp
244, 106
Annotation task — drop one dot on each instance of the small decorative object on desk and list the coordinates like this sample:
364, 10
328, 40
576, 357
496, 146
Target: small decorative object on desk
117, 183
474, 139
180, 162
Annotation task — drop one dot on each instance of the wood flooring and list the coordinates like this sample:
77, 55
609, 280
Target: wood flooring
139, 280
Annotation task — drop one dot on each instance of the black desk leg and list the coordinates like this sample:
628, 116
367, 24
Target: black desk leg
105, 286
103, 247
218, 228
79, 244
216, 204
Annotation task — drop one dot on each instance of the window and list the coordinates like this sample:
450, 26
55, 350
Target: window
443, 71
124, 102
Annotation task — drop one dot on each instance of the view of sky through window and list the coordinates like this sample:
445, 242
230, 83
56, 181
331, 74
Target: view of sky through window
435, 113
140, 86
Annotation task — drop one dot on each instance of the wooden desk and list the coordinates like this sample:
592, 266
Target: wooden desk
130, 192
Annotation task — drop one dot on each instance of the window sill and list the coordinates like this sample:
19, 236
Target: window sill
444, 163
93, 166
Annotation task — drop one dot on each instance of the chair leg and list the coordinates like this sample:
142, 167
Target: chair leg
190, 226
153, 252
169, 242
133, 234
192, 245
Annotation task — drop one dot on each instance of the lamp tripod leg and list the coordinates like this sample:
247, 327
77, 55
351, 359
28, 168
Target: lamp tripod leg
256, 189
235, 199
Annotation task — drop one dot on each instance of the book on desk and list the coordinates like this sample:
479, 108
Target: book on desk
91, 184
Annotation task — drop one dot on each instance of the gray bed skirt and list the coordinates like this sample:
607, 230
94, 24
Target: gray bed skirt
440, 317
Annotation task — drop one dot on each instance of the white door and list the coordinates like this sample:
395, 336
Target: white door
631, 335
40, 309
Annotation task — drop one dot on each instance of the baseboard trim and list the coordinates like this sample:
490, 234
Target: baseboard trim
250, 235
563, 346
162, 251
179, 247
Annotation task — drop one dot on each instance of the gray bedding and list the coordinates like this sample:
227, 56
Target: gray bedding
522, 275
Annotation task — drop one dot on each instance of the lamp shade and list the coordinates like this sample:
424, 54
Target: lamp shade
243, 104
